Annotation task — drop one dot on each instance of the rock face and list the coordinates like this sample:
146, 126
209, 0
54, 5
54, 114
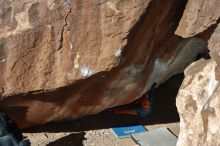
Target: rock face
198, 105
214, 46
47, 44
198, 98
198, 16
62, 59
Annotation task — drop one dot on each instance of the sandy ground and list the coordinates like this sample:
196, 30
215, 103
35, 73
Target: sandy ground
101, 137
95, 130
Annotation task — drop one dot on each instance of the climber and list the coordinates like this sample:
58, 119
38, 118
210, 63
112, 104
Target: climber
141, 107
10, 134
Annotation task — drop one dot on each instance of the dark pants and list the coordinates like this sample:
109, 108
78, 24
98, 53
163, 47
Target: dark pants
9, 140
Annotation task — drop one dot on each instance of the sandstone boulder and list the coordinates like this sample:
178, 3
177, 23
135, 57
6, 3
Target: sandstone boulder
198, 98
198, 16
66, 59
198, 105
214, 46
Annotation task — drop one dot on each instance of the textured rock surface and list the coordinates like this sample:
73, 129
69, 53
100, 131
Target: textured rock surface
198, 105
214, 46
198, 16
66, 59
198, 99
49, 44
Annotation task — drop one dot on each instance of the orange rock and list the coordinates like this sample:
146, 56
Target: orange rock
63, 60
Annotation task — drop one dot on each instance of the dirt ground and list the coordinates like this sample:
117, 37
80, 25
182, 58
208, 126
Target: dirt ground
95, 130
